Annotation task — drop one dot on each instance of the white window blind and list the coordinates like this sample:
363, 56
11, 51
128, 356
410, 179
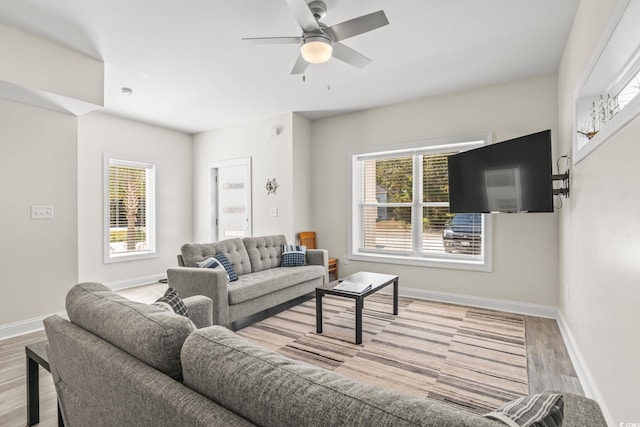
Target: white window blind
129, 209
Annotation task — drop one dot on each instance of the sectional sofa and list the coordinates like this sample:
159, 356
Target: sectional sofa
124, 363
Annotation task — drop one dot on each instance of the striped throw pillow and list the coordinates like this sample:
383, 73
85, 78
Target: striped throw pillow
538, 410
294, 256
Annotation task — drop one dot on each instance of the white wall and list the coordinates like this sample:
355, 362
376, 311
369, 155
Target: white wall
525, 248
272, 157
38, 258
599, 237
301, 203
171, 152
31, 62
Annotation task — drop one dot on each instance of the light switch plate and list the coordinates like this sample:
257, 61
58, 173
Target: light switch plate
41, 212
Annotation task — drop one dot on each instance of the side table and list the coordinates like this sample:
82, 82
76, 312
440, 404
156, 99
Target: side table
36, 356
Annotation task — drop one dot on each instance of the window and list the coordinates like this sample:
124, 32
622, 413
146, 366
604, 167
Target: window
630, 91
607, 98
400, 209
129, 204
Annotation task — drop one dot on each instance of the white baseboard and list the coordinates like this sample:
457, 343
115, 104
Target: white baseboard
26, 326
138, 281
482, 302
22, 327
582, 369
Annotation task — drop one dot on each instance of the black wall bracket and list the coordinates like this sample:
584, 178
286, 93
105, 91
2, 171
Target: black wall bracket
564, 190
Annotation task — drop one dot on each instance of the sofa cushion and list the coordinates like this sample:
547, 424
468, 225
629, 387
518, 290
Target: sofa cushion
264, 282
269, 389
265, 252
233, 249
147, 332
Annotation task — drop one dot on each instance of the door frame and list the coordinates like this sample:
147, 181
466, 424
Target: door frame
213, 193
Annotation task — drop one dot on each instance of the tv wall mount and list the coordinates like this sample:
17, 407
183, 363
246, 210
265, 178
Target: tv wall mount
564, 190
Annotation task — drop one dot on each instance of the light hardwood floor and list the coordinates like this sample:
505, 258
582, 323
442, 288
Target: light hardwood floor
550, 367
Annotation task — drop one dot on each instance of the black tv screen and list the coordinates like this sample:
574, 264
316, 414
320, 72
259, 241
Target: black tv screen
509, 176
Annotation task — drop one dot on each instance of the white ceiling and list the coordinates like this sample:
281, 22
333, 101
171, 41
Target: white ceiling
190, 71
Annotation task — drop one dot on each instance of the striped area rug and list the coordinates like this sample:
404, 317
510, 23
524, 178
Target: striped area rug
469, 357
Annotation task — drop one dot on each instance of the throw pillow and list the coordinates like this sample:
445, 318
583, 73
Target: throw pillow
538, 410
294, 256
211, 262
171, 302
227, 266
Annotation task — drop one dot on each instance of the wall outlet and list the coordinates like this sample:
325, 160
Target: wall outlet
41, 212
273, 211
346, 260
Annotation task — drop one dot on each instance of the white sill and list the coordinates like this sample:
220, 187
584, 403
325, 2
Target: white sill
452, 263
110, 259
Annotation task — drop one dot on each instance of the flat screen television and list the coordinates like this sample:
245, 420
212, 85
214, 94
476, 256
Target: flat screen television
509, 176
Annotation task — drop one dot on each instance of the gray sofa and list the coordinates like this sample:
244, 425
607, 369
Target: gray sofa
123, 363
262, 283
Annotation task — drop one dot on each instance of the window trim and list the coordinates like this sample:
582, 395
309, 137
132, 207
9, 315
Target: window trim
459, 262
151, 213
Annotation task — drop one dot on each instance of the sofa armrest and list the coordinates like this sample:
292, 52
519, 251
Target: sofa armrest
200, 310
212, 283
581, 411
319, 257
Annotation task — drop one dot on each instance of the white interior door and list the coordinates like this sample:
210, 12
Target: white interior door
231, 199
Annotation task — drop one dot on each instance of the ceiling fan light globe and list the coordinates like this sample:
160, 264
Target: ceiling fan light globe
316, 49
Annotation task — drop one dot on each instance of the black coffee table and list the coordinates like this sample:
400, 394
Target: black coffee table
377, 282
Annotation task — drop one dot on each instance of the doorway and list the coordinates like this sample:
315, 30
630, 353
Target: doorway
230, 199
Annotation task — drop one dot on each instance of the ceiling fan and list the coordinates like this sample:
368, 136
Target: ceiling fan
320, 43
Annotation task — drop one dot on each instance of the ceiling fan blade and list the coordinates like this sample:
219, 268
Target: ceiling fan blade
299, 66
356, 26
303, 15
273, 40
350, 56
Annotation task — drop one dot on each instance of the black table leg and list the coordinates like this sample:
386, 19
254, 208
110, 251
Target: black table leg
60, 420
359, 304
395, 297
318, 311
33, 392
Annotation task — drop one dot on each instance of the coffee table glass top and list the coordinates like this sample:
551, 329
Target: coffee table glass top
359, 282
